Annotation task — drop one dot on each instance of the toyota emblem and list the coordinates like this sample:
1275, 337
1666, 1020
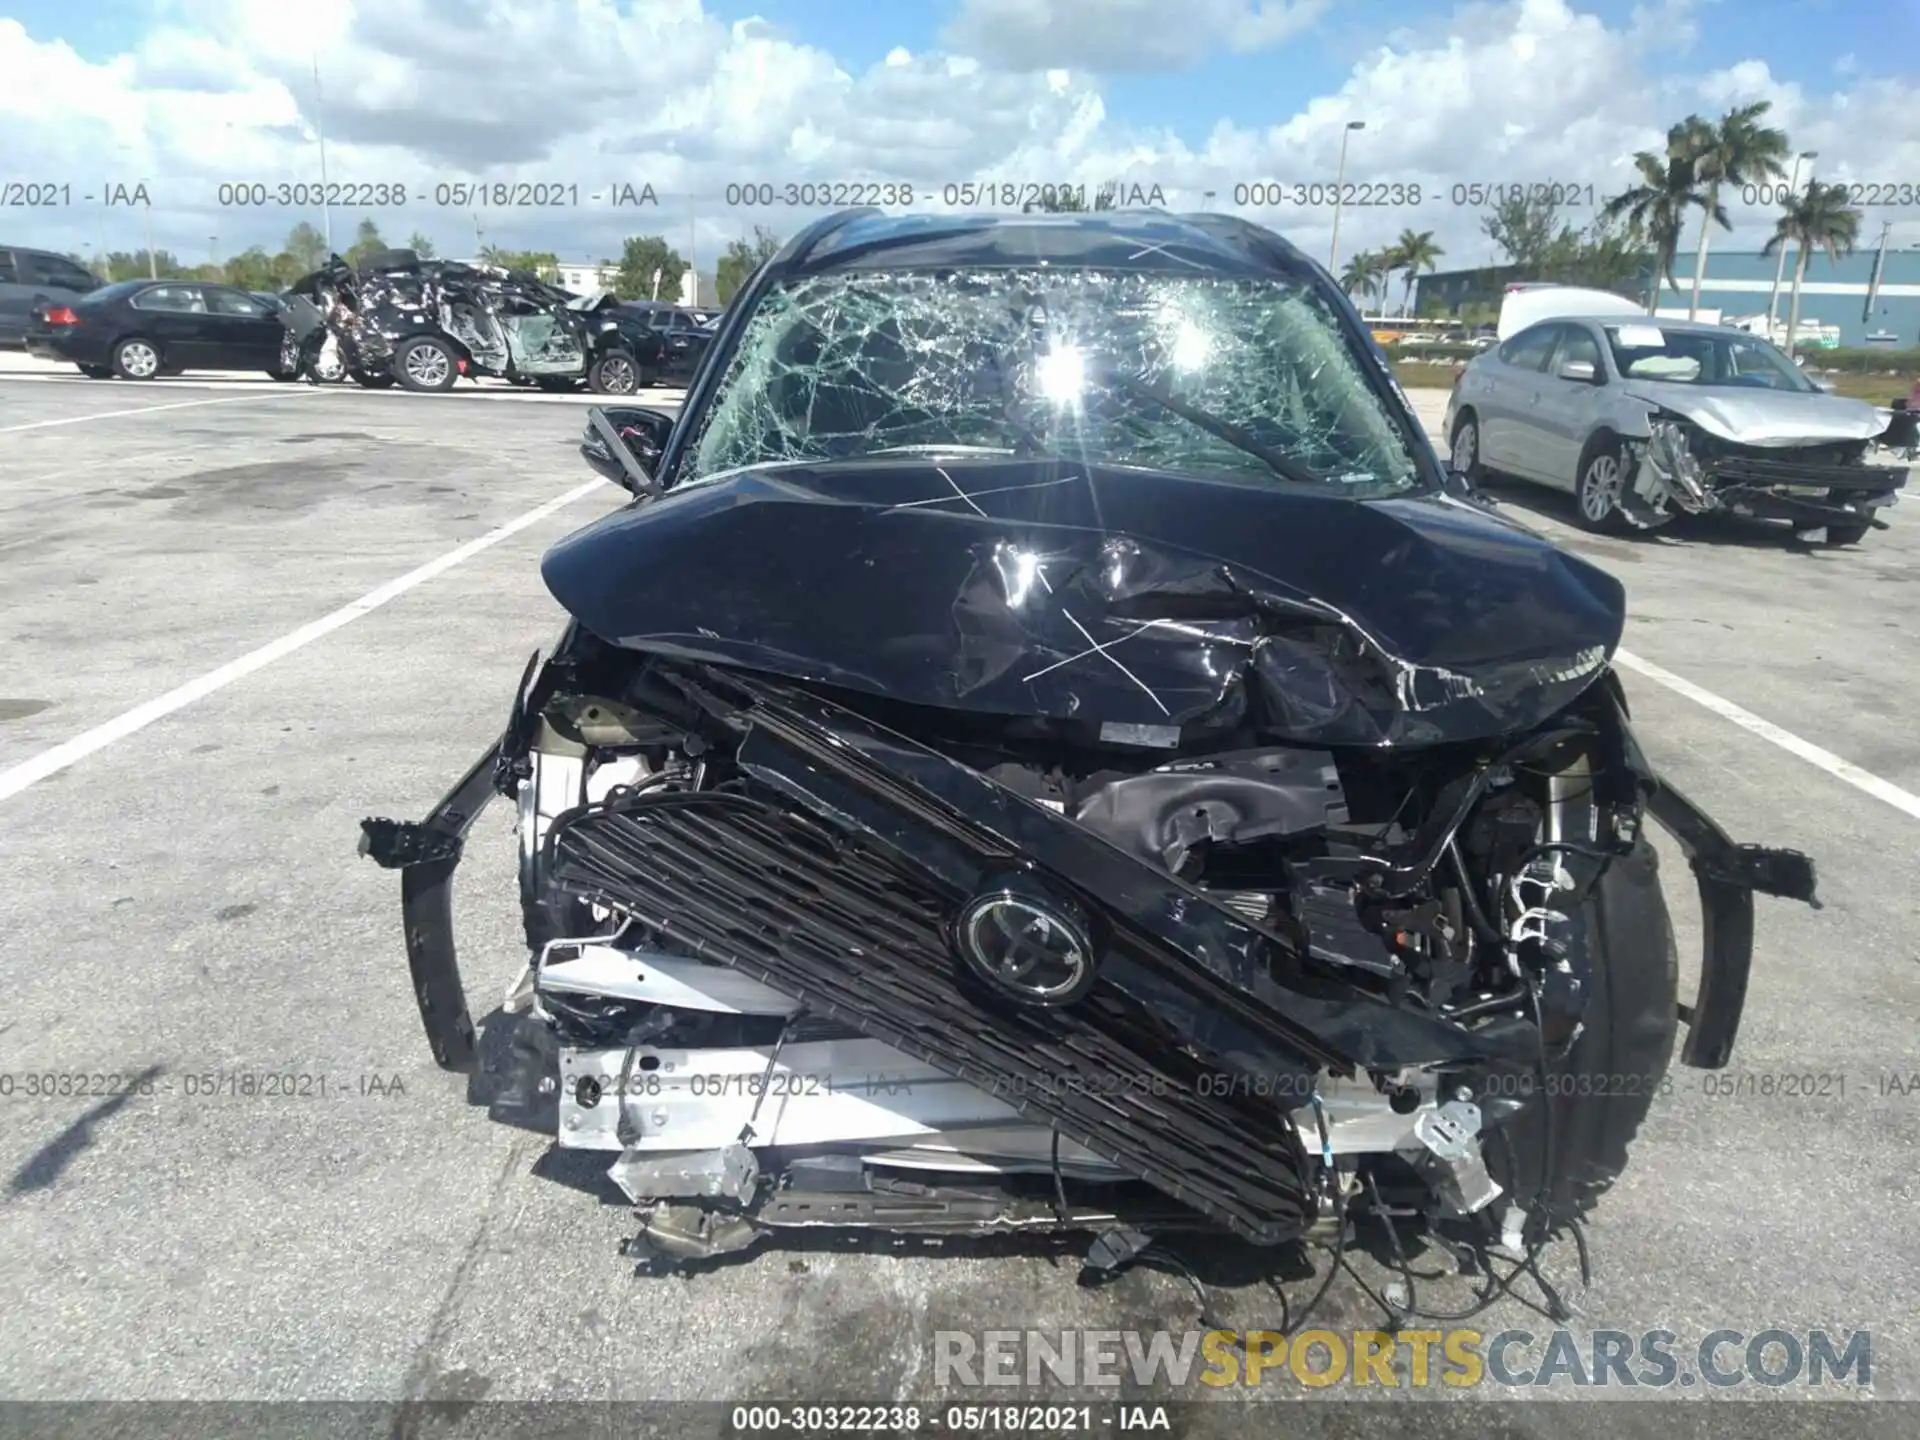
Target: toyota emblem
1027, 948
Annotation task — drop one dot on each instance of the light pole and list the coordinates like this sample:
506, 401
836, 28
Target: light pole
1780, 259
1339, 180
320, 133
693, 260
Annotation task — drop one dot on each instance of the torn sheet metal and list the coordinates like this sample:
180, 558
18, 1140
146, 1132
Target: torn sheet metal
506, 323
1762, 416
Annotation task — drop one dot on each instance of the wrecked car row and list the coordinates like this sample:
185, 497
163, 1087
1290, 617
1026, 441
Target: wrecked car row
1048, 748
425, 324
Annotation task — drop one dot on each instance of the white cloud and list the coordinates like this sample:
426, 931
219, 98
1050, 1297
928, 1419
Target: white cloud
1116, 35
598, 92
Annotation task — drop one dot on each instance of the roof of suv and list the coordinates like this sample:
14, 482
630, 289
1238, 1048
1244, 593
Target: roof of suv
1150, 240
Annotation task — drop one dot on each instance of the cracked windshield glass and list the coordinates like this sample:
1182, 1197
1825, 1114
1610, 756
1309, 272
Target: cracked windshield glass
1027, 362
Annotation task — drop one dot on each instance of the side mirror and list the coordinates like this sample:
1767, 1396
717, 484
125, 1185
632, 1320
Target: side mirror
625, 443
1822, 384
1580, 370
1460, 485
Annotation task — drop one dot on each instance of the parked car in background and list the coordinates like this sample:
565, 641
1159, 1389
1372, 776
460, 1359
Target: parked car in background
30, 279
1642, 420
683, 334
426, 323
138, 329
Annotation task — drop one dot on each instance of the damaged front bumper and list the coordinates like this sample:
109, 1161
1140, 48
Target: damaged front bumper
427, 854
1810, 489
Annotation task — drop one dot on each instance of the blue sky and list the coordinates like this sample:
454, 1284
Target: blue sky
1810, 42
1449, 91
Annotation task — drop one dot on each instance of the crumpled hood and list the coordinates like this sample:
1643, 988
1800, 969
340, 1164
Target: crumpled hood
1764, 417
1140, 603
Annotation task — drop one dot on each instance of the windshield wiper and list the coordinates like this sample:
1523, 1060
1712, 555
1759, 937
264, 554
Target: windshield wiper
1281, 464
945, 450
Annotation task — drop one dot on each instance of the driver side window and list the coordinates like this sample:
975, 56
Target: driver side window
1530, 349
1577, 346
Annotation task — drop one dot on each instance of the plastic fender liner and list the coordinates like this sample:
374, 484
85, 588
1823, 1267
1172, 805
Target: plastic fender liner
426, 855
1728, 876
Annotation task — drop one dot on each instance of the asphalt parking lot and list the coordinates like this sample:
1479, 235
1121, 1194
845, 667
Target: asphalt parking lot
184, 897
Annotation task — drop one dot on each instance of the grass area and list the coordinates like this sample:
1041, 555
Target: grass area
1415, 375
1876, 389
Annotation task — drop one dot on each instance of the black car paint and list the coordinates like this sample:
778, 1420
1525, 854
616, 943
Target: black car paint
184, 340
1211, 599
33, 279
683, 345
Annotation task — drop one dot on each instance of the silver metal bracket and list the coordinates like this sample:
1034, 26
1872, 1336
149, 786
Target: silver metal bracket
1451, 1135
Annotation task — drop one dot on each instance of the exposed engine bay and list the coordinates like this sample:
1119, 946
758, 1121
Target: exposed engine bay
794, 968
1682, 469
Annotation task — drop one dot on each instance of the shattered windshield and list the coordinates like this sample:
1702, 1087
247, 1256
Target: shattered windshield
1699, 357
1248, 380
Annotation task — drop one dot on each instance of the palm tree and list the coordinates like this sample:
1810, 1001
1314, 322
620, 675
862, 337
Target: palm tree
1415, 251
1364, 274
1391, 262
1669, 184
1818, 217
1737, 151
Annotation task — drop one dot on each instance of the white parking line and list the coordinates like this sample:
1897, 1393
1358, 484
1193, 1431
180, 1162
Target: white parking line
1806, 750
142, 410
52, 762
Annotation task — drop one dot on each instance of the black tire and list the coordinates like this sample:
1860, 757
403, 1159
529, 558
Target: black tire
96, 372
1467, 429
615, 373
426, 364
1847, 534
136, 358
1606, 1084
1597, 489
281, 375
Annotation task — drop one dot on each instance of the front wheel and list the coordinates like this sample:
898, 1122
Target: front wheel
1465, 457
426, 364
1847, 534
1596, 1097
617, 373
1598, 490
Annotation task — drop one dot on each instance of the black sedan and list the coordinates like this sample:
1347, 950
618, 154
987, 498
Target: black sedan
138, 329
683, 337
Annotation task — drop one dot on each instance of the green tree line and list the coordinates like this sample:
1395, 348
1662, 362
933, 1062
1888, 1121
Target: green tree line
1633, 242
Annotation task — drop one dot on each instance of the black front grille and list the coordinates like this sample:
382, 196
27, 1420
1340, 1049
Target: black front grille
1803, 468
858, 937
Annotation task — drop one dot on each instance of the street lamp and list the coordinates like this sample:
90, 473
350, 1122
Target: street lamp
320, 134
1339, 180
1780, 259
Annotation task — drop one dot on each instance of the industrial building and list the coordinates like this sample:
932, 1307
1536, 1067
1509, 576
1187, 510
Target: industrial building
1834, 309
